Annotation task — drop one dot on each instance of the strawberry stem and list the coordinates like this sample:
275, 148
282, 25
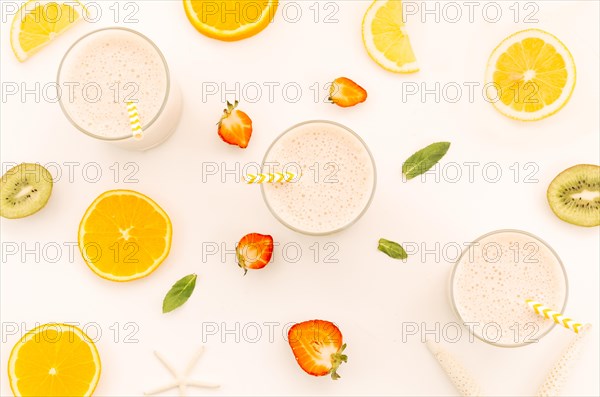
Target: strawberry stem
230, 107
227, 112
336, 360
242, 262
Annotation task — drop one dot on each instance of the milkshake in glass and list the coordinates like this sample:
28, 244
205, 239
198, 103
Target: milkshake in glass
493, 278
105, 70
336, 177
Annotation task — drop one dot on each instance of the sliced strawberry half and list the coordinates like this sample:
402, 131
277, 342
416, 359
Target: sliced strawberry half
345, 92
318, 347
254, 251
235, 127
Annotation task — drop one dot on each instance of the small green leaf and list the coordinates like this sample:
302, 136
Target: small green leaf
179, 293
392, 249
424, 159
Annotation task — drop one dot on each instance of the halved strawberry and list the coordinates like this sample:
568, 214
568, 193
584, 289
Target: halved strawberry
317, 346
235, 127
345, 92
254, 251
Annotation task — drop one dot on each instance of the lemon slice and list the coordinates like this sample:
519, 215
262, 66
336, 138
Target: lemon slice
385, 38
533, 74
230, 20
54, 360
38, 22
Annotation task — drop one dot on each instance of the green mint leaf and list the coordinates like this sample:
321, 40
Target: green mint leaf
179, 293
392, 249
424, 159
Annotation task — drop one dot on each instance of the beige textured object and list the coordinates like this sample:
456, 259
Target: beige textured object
560, 371
457, 373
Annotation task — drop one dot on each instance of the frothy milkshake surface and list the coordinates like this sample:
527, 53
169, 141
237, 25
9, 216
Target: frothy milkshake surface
495, 276
107, 69
337, 177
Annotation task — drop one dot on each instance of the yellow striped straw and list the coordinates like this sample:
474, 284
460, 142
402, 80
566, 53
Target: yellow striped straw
270, 177
134, 120
554, 316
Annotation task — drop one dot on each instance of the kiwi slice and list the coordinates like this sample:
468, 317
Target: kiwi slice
574, 195
24, 190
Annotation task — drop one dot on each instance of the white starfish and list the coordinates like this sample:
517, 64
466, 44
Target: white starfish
181, 381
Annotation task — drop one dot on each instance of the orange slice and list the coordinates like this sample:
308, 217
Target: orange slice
230, 20
124, 235
54, 360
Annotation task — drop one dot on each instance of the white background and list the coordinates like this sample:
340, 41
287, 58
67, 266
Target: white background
366, 293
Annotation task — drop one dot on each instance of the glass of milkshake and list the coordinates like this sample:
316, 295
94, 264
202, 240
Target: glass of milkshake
335, 182
107, 69
495, 275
